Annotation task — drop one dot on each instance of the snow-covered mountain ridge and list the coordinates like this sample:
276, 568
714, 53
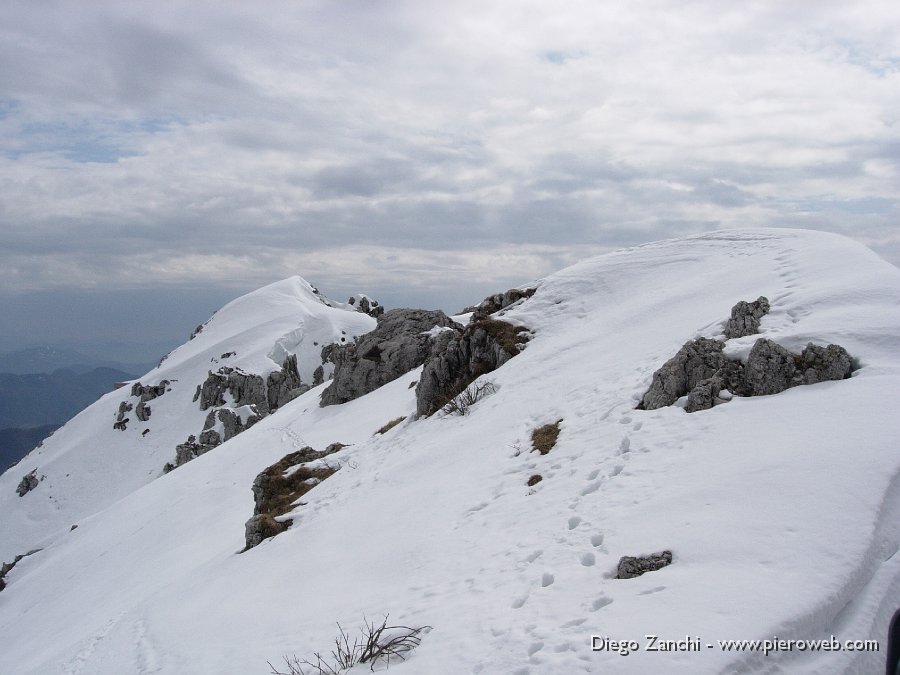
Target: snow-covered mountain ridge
781, 511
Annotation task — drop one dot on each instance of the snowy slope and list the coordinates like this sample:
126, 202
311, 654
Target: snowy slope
782, 512
88, 464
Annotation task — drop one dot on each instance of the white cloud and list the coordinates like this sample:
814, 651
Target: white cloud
213, 141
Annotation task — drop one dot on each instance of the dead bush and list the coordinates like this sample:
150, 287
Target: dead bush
376, 642
544, 438
535, 479
464, 400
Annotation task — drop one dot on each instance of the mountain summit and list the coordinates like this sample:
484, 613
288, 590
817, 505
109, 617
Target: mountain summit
675, 446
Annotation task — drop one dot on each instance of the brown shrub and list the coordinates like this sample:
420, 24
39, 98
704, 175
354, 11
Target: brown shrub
544, 438
535, 479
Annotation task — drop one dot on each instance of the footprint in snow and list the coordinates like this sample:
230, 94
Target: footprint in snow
600, 603
574, 522
547, 580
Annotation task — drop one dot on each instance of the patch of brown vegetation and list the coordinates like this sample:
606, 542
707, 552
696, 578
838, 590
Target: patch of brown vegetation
509, 337
544, 438
390, 425
277, 489
535, 479
284, 488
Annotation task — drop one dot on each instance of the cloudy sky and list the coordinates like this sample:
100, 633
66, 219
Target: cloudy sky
158, 159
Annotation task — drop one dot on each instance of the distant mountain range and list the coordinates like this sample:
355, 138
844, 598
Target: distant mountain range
43, 387
49, 359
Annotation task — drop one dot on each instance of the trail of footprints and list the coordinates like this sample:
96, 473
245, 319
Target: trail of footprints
576, 527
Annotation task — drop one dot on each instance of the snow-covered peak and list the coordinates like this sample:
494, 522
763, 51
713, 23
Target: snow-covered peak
108, 451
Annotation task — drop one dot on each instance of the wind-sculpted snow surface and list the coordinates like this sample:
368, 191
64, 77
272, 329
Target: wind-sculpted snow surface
781, 513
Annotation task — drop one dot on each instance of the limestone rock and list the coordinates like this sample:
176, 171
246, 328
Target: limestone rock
770, 369
704, 395
630, 567
458, 358
277, 488
696, 361
819, 364
149, 392
400, 342
124, 407
284, 385
745, 318
367, 306
142, 412
28, 483
494, 303
262, 526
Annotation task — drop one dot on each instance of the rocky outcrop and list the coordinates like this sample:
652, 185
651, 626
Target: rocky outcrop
770, 369
494, 303
696, 361
28, 483
144, 393
367, 306
231, 422
459, 357
820, 364
631, 566
283, 386
745, 318
277, 488
701, 371
6, 568
149, 392
280, 387
400, 342
257, 397
121, 421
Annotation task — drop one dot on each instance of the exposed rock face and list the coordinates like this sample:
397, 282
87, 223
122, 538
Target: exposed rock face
149, 392
144, 393
185, 452
459, 357
142, 412
232, 425
696, 361
267, 395
494, 303
819, 364
278, 487
368, 306
400, 342
261, 397
630, 567
283, 386
770, 369
700, 370
28, 483
6, 568
745, 317
122, 421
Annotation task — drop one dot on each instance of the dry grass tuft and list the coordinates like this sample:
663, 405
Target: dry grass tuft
544, 438
390, 425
